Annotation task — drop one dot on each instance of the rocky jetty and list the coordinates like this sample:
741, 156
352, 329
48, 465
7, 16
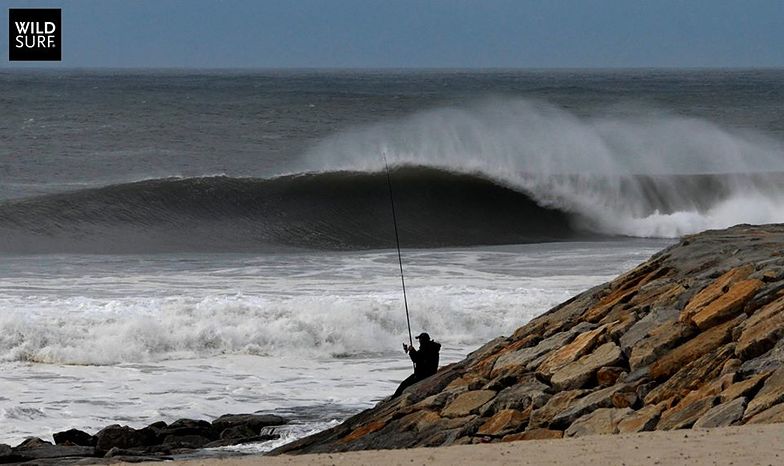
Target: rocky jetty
156, 442
692, 338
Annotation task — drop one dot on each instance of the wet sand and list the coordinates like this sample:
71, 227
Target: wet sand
744, 445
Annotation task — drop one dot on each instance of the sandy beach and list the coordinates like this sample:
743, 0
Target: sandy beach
745, 445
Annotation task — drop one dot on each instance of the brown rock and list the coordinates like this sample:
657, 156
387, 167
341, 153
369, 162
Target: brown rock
418, 421
598, 399
727, 305
692, 376
581, 345
580, 372
600, 421
714, 290
642, 420
607, 376
683, 417
467, 403
744, 387
520, 397
693, 349
624, 399
732, 365
771, 393
466, 383
560, 401
644, 326
659, 341
761, 330
363, 431
503, 422
521, 357
769, 416
722, 415
534, 434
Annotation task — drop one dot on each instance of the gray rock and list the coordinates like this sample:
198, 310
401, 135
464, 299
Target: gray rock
523, 357
185, 441
642, 327
590, 402
682, 418
601, 421
576, 374
183, 427
518, 397
769, 361
74, 437
722, 415
252, 421
123, 437
54, 451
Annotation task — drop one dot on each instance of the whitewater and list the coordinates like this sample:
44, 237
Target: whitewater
179, 245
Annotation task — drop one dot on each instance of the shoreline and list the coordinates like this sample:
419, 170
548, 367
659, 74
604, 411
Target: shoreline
742, 445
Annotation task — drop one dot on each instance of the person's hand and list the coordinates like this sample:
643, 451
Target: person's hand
405, 347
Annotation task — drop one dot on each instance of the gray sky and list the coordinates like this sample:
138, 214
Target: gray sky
415, 33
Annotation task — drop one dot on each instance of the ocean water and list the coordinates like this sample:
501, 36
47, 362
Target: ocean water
192, 244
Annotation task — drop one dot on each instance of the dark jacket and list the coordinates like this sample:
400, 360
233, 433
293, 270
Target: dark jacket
425, 358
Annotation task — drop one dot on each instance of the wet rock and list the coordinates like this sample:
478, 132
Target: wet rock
184, 427
254, 422
600, 421
578, 373
726, 306
771, 393
123, 437
240, 441
45, 451
722, 415
642, 420
74, 437
761, 331
185, 441
503, 422
467, 403
681, 417
534, 434
7, 454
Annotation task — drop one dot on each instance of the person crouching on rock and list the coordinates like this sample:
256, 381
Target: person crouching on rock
425, 361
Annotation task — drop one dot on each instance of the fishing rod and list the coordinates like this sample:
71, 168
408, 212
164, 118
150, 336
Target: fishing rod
397, 243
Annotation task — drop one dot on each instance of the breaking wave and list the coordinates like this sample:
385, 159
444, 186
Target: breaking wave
496, 172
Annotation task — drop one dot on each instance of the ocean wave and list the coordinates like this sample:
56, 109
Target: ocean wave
493, 173
89, 331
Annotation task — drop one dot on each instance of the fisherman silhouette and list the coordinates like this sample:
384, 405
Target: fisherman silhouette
425, 361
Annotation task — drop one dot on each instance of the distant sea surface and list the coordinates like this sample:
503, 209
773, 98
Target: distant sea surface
188, 244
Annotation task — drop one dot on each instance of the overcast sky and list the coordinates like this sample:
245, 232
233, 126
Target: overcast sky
416, 33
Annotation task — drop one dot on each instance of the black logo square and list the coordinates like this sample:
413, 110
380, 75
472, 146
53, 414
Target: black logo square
34, 34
